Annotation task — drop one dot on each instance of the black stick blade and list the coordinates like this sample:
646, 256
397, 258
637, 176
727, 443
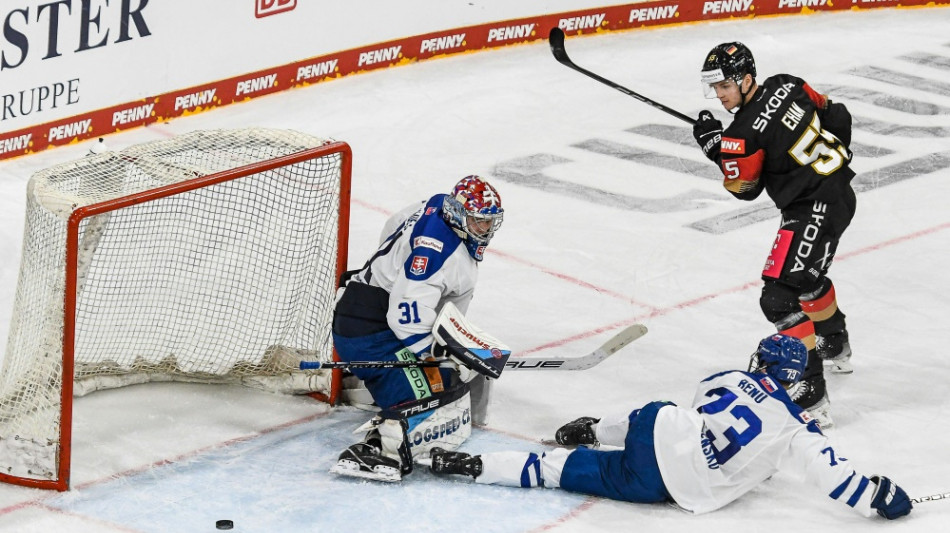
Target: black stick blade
556, 39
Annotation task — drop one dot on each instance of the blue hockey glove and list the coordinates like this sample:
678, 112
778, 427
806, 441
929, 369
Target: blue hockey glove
890, 500
708, 133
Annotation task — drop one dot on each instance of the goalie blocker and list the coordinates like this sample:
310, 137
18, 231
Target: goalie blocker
480, 357
468, 345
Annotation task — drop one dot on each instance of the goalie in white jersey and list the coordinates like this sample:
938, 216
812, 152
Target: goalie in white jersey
741, 428
428, 257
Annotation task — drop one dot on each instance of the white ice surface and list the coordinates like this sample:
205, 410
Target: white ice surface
561, 276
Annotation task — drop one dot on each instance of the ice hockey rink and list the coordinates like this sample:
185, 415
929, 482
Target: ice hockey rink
613, 217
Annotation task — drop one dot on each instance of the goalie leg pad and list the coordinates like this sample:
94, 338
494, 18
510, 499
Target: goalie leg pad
481, 399
355, 393
443, 421
395, 443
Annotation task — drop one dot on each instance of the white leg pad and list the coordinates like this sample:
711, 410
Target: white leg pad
443, 421
446, 426
481, 388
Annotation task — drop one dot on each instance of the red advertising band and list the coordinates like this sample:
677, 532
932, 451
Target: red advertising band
163, 107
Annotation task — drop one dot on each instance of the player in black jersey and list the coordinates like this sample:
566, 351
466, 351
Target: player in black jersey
792, 142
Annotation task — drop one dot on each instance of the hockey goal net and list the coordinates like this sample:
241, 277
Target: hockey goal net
178, 260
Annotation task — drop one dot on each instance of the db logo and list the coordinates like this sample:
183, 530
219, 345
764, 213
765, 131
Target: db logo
265, 8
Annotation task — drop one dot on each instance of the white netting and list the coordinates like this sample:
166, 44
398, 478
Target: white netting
194, 286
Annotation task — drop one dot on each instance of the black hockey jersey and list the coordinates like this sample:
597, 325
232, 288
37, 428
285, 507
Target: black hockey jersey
782, 141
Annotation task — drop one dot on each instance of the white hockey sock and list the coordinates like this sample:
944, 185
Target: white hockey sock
523, 469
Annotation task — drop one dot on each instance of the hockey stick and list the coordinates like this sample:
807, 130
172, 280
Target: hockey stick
931, 498
556, 39
614, 344
317, 365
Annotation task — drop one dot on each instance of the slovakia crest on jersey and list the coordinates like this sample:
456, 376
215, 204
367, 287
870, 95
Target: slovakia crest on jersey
430, 210
419, 264
768, 384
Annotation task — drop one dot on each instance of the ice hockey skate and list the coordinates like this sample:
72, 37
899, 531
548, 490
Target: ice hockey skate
810, 395
463, 464
364, 460
579, 432
835, 352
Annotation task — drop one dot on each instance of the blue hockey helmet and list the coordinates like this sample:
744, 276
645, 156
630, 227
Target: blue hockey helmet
473, 209
782, 357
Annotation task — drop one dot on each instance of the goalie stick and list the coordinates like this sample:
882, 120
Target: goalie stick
556, 39
583, 362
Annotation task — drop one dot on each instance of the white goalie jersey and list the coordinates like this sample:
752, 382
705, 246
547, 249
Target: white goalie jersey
741, 429
422, 264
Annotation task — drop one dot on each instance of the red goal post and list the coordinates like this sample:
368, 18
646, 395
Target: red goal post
183, 259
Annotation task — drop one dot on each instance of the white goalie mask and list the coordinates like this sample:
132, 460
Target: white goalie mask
473, 209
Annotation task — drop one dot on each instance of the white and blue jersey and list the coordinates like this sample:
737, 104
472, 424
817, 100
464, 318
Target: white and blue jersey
741, 429
422, 264
388, 308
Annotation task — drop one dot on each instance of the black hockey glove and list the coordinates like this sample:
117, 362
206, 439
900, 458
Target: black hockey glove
708, 133
890, 500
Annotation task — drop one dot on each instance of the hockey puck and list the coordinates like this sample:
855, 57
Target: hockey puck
224, 524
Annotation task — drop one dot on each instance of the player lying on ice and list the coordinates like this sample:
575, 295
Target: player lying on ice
740, 429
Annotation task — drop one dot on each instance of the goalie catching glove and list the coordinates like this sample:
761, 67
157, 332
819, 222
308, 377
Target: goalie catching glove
472, 349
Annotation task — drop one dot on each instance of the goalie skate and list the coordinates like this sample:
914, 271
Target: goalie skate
366, 461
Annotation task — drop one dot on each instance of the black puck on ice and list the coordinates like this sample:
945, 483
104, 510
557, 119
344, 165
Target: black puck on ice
224, 524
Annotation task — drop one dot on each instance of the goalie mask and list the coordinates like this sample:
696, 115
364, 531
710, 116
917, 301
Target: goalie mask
727, 61
473, 209
781, 357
